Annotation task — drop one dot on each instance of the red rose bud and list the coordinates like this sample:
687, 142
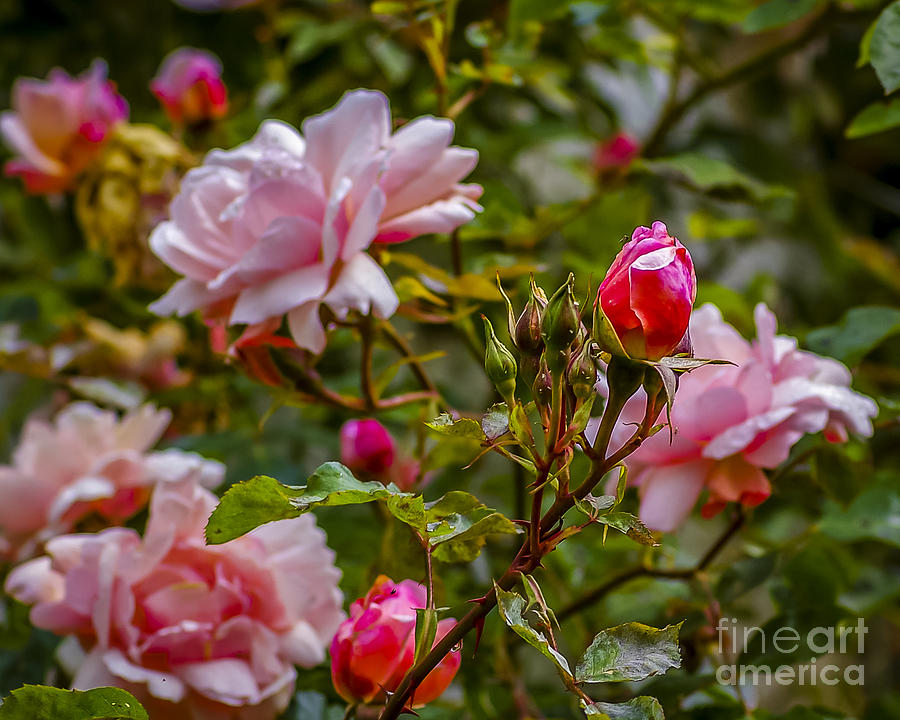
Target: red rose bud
367, 446
375, 647
189, 86
648, 293
528, 327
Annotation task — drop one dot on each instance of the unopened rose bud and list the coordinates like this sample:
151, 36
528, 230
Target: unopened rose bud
648, 294
189, 86
367, 446
499, 364
616, 152
375, 647
528, 326
561, 323
542, 389
582, 371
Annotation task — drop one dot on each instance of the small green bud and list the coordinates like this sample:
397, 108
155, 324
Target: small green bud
561, 318
582, 371
499, 364
624, 377
542, 389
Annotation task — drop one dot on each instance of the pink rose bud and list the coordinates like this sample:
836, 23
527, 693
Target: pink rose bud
189, 86
58, 125
375, 647
616, 151
367, 446
648, 293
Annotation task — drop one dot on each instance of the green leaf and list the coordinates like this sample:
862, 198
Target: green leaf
247, 505
458, 525
884, 48
39, 702
865, 46
777, 13
630, 525
495, 421
744, 575
467, 428
873, 515
859, 331
874, 118
632, 651
714, 177
262, 499
512, 606
592, 505
520, 426
582, 415
640, 708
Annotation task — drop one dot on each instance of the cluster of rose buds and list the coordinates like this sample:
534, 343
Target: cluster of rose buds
641, 312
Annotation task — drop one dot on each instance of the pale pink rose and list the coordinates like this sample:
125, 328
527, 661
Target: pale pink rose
58, 125
189, 86
732, 422
87, 462
195, 631
278, 227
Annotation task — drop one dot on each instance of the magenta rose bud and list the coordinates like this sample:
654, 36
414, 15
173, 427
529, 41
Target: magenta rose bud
617, 151
58, 125
648, 293
189, 86
367, 446
375, 647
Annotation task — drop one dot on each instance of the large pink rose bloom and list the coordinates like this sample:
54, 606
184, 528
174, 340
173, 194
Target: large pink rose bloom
58, 125
189, 86
195, 631
648, 293
375, 647
278, 227
732, 422
87, 462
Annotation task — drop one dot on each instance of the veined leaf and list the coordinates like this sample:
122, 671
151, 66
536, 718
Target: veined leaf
632, 651
512, 606
40, 702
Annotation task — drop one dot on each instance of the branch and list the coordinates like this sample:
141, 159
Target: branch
675, 111
598, 593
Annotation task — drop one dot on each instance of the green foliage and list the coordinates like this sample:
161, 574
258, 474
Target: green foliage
860, 331
39, 702
776, 13
632, 651
513, 607
640, 708
884, 48
875, 118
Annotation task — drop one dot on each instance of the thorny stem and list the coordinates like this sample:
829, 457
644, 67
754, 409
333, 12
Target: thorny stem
598, 593
524, 562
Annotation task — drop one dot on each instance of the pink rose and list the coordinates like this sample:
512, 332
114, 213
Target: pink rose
195, 631
375, 647
368, 448
278, 227
732, 422
189, 86
648, 293
617, 151
58, 125
86, 462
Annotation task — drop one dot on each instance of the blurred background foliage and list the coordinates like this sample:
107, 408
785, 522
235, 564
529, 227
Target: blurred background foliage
742, 110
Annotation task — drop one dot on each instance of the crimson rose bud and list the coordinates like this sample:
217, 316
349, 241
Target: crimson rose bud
648, 293
367, 446
189, 86
375, 647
